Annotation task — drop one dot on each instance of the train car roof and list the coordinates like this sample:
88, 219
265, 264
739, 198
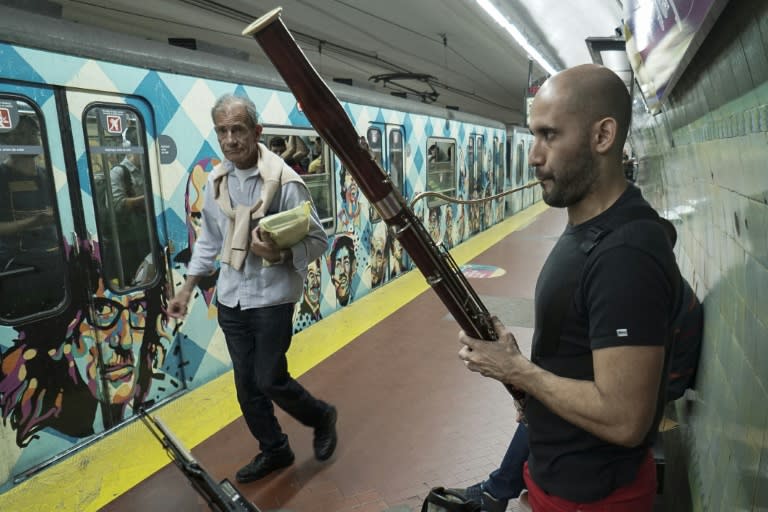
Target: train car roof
62, 36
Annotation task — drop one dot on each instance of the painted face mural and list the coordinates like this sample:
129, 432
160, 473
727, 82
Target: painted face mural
433, 224
343, 265
448, 239
349, 216
113, 333
193, 204
308, 310
61, 370
379, 255
398, 260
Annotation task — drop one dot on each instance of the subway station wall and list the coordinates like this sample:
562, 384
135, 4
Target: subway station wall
703, 163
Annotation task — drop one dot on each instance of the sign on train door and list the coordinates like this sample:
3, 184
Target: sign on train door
136, 363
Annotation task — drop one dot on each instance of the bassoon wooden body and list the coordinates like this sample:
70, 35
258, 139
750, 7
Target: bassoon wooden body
328, 117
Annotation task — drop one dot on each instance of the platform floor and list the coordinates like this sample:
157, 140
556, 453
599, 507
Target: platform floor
410, 415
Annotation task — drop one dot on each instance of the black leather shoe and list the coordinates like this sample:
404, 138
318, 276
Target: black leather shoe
264, 464
325, 436
479, 496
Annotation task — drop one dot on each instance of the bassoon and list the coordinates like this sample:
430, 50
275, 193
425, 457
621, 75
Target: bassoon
327, 116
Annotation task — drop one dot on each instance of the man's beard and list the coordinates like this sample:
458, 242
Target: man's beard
572, 184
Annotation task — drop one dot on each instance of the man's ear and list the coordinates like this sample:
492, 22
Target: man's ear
604, 134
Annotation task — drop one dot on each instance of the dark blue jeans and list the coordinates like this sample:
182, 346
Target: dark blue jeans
258, 340
507, 482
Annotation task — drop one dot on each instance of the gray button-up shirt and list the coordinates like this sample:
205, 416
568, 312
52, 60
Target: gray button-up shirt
255, 285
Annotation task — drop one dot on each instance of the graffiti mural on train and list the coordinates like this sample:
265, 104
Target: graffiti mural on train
71, 372
90, 367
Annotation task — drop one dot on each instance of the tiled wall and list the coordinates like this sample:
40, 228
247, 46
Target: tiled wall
704, 162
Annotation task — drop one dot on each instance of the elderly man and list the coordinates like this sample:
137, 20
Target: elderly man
258, 284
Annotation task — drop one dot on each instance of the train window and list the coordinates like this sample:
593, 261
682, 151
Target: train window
396, 158
481, 163
121, 193
520, 162
498, 176
531, 169
375, 144
441, 167
308, 155
32, 265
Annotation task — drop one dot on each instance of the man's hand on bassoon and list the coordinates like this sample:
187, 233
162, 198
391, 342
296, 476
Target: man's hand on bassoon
498, 360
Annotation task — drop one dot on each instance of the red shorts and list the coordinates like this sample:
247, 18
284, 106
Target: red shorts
637, 496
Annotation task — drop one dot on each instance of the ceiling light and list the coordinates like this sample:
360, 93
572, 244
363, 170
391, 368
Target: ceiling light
499, 18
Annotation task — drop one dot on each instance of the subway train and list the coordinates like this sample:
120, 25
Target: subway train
84, 338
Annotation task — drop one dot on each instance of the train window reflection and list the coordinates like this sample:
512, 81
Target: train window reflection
373, 135
520, 163
396, 158
120, 184
441, 167
32, 267
498, 168
308, 155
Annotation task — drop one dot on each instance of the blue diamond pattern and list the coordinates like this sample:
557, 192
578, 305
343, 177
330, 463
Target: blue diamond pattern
418, 159
11, 60
153, 87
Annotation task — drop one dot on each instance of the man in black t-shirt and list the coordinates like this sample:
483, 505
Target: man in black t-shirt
595, 376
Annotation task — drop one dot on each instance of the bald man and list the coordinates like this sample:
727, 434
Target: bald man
602, 318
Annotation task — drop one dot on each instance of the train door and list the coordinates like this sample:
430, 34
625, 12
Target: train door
521, 166
497, 182
387, 144
528, 172
117, 170
478, 181
82, 342
518, 163
42, 382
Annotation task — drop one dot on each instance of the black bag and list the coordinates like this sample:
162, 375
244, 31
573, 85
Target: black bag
687, 332
441, 499
688, 316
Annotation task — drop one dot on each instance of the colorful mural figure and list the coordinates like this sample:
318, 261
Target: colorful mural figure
342, 264
449, 227
474, 211
378, 265
101, 353
40, 383
308, 309
399, 259
349, 214
461, 223
91, 367
193, 206
125, 338
433, 224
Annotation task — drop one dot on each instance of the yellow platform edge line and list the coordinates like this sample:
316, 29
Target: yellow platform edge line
92, 477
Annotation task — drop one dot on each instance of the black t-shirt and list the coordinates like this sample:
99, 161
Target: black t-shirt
623, 296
